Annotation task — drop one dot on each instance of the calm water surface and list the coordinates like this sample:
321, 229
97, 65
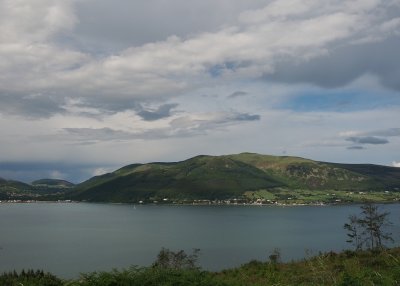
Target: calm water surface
67, 239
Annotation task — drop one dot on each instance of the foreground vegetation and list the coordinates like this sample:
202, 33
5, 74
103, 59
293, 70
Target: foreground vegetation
369, 267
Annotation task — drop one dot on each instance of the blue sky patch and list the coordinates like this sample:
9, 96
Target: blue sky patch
340, 101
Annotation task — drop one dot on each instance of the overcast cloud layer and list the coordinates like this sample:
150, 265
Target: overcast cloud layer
92, 85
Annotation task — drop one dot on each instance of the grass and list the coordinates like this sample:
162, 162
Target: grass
300, 196
336, 269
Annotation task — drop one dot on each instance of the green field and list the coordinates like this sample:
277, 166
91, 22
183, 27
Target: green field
286, 196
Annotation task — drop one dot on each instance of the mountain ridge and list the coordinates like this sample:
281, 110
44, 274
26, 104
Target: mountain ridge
207, 177
247, 177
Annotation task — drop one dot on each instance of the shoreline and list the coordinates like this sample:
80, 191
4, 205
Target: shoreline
199, 204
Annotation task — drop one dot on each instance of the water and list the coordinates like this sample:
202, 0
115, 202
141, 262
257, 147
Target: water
67, 239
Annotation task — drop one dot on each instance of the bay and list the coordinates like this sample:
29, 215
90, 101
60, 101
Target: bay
67, 239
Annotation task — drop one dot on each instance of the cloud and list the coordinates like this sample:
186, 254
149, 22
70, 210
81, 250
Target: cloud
246, 117
391, 132
37, 54
96, 81
31, 106
56, 174
37, 21
355, 148
98, 134
344, 64
185, 126
388, 132
396, 164
132, 23
368, 140
100, 171
162, 111
375, 137
237, 94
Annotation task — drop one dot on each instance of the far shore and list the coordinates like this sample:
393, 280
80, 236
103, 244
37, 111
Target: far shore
277, 204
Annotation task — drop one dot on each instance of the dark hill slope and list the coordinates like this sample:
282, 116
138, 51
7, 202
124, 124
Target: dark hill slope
381, 176
219, 177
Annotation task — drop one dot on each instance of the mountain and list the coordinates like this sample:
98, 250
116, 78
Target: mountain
10, 189
45, 189
53, 183
234, 176
13, 186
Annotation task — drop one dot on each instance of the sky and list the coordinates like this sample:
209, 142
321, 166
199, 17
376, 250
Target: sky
88, 86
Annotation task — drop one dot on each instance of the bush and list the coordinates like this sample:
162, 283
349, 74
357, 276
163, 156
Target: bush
29, 278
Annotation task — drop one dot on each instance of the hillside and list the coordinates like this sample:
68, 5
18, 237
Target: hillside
11, 188
245, 175
53, 183
46, 189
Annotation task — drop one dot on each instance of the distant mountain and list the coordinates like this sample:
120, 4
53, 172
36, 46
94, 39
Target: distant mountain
53, 183
221, 177
46, 189
11, 185
10, 189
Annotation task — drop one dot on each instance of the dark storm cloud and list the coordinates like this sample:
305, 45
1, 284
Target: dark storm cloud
162, 111
368, 140
344, 64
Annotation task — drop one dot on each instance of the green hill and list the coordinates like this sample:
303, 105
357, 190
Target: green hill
10, 189
53, 183
13, 186
45, 189
245, 175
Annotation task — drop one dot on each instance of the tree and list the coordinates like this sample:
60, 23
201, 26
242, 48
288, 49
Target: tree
168, 259
354, 232
373, 223
369, 229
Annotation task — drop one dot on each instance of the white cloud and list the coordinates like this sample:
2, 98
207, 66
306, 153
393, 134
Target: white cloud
279, 9
32, 22
100, 171
84, 104
396, 164
57, 175
32, 62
